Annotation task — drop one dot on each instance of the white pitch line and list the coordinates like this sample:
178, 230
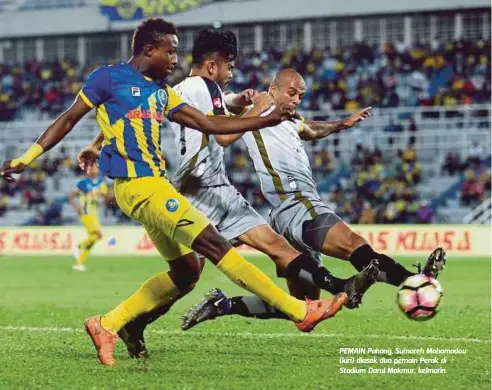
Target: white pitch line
258, 335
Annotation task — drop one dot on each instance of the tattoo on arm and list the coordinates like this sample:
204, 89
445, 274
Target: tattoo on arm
324, 129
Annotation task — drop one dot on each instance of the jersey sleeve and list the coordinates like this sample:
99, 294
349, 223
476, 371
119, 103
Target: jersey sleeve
300, 125
174, 102
81, 185
97, 88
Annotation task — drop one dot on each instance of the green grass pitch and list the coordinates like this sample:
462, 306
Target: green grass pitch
43, 305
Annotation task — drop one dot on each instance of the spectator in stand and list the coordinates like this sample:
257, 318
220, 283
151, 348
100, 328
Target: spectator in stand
475, 155
322, 164
473, 190
32, 197
53, 214
368, 215
412, 126
452, 164
425, 214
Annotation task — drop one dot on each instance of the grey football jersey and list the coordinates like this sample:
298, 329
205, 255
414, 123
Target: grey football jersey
281, 162
200, 156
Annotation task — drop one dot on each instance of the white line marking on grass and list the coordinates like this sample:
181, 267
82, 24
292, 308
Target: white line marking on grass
257, 335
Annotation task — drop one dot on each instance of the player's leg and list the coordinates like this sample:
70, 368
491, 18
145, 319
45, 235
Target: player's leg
291, 263
216, 304
335, 238
302, 272
238, 221
154, 297
94, 234
170, 210
264, 239
155, 203
184, 272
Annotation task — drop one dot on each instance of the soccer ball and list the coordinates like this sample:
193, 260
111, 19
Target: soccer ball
419, 297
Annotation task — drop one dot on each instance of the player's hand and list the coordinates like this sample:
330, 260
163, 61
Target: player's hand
244, 98
262, 101
10, 172
359, 116
85, 158
80, 211
282, 113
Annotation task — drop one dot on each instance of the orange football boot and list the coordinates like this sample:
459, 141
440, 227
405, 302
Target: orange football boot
320, 310
103, 340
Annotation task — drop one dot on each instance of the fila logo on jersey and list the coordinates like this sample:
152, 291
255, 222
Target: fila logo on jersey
217, 102
135, 91
172, 205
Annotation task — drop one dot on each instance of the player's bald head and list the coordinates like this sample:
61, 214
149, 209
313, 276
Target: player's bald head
287, 77
288, 88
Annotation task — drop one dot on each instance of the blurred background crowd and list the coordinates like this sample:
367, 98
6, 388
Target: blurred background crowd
435, 73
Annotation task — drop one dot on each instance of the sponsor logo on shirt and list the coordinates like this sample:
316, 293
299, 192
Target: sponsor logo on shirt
217, 102
145, 114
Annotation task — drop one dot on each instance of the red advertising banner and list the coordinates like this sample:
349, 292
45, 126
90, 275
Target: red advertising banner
399, 240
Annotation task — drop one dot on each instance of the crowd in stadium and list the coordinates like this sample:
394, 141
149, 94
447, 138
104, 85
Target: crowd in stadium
357, 75
353, 76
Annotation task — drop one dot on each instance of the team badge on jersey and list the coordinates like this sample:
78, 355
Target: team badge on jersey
135, 91
172, 205
217, 102
162, 96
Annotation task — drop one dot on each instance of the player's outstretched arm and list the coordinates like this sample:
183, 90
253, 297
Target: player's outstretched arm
315, 130
195, 119
262, 102
48, 139
73, 202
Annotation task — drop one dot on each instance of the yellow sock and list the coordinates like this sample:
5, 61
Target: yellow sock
83, 255
252, 279
156, 291
85, 248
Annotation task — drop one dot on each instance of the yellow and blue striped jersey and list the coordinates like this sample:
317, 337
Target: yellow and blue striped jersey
91, 193
130, 109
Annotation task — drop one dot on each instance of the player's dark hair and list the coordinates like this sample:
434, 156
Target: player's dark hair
209, 41
150, 31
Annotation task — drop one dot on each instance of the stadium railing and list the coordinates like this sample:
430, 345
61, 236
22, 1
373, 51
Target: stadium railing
481, 214
438, 131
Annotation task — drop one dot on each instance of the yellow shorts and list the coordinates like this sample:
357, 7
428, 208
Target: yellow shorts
168, 217
90, 223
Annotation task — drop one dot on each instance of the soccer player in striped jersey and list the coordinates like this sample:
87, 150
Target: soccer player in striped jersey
86, 200
130, 108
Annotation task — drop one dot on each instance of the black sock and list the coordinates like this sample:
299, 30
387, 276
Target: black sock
391, 272
307, 269
252, 306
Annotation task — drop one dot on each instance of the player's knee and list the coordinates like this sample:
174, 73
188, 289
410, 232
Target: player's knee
186, 281
185, 272
98, 235
211, 244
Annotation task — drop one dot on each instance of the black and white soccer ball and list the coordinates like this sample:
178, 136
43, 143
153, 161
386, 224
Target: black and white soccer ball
419, 297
